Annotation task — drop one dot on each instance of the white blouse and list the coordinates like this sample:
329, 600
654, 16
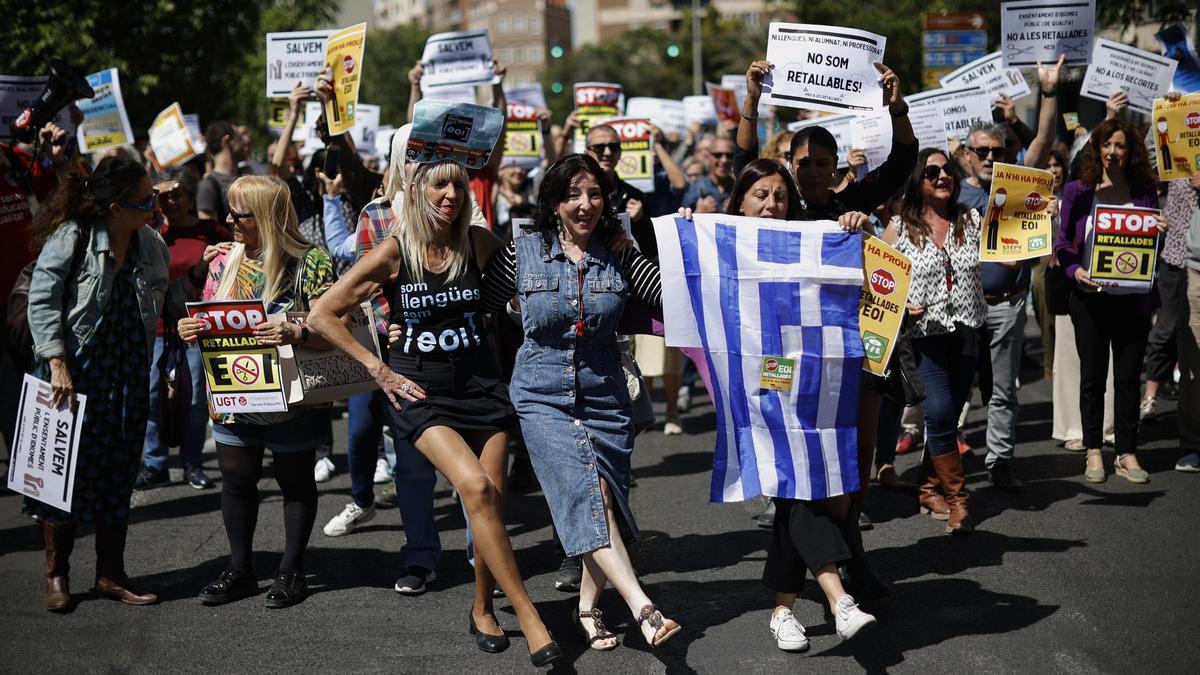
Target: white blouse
947, 302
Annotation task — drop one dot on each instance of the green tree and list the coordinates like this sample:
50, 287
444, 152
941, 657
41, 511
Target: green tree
388, 56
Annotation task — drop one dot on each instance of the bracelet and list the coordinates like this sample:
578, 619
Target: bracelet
304, 333
749, 117
1049, 94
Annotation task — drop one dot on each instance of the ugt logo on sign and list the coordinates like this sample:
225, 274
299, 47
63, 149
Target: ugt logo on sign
882, 282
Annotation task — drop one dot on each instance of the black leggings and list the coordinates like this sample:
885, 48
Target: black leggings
241, 469
804, 536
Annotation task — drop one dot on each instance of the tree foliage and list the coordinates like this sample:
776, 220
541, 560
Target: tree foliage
388, 56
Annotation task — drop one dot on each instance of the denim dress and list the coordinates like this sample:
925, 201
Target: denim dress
569, 390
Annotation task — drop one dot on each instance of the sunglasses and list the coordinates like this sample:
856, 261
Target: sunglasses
719, 155
932, 171
147, 205
599, 148
982, 153
239, 217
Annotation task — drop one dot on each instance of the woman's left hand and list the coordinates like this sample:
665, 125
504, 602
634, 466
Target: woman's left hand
853, 221
276, 333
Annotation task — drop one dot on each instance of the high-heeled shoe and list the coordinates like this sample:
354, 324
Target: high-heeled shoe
492, 644
546, 655
602, 633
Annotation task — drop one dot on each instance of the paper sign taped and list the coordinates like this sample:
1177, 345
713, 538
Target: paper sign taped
464, 133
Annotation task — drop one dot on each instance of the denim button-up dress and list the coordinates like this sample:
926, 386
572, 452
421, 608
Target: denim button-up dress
569, 389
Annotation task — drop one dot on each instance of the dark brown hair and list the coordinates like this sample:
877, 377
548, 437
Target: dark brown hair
913, 202
86, 199
1137, 163
756, 171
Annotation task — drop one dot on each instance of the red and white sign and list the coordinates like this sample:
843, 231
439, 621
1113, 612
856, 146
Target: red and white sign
882, 282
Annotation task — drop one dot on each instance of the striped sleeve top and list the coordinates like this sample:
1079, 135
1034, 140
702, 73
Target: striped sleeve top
500, 278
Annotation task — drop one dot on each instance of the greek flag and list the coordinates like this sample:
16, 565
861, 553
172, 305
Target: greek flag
774, 306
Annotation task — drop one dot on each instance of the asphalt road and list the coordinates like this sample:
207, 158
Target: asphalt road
1067, 577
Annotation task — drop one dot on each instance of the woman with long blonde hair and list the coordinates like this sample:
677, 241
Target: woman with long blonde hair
271, 260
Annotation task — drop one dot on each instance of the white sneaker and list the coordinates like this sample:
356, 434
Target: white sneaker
345, 522
323, 471
382, 473
789, 634
684, 398
850, 619
672, 429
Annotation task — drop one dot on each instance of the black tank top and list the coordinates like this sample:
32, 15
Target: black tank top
441, 318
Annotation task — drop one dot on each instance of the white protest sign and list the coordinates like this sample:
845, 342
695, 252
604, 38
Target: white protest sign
529, 94
454, 93
45, 446
457, 58
1116, 67
823, 68
383, 140
192, 122
294, 57
929, 126
366, 124
840, 127
105, 122
17, 93
699, 109
170, 139
1040, 30
989, 74
873, 135
737, 83
667, 113
961, 108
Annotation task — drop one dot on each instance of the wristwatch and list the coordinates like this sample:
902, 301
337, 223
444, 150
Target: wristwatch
902, 111
304, 333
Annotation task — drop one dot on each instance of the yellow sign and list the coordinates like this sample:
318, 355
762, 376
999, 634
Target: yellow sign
1017, 223
777, 373
169, 139
1177, 136
523, 136
1124, 247
344, 58
887, 274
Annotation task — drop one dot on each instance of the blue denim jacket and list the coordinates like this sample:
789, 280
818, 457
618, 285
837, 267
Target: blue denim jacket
64, 311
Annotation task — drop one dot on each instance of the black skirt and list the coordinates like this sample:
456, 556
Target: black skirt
464, 392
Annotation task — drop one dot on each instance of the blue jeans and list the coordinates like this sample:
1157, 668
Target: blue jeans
362, 449
415, 480
191, 451
946, 364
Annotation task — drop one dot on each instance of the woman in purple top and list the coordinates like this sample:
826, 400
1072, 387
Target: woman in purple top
1115, 171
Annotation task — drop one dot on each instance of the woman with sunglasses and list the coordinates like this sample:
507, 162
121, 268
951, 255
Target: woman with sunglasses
94, 302
270, 261
945, 311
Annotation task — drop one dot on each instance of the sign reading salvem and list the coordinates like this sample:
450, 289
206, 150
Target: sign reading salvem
457, 58
823, 68
294, 57
1116, 67
1040, 30
989, 74
46, 445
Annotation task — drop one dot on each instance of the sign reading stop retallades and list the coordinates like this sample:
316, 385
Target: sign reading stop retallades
887, 274
1122, 248
242, 374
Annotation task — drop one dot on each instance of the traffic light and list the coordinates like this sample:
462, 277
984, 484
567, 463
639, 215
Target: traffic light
557, 87
556, 52
673, 51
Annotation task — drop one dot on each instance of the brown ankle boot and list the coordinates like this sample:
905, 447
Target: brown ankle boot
59, 540
111, 580
929, 499
950, 472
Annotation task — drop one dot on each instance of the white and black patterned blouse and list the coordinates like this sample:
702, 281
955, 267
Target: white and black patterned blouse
945, 280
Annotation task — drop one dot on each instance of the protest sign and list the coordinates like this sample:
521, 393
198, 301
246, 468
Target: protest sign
724, 102
636, 165
1122, 248
191, 122
1177, 44
699, 110
45, 445
277, 120
929, 126
595, 100
242, 374
887, 274
1117, 67
523, 136
464, 133
1041, 30
313, 376
105, 123
365, 127
344, 57
530, 94
1177, 131
736, 82
1071, 120
170, 139
666, 113
1017, 225
294, 57
990, 75
838, 125
823, 68
19, 92
456, 59
452, 93
873, 135
383, 140
961, 108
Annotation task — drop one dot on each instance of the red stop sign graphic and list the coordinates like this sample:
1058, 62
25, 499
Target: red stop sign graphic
772, 365
1192, 120
882, 282
1034, 201
348, 64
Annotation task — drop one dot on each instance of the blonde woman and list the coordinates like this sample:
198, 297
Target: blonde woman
441, 378
271, 260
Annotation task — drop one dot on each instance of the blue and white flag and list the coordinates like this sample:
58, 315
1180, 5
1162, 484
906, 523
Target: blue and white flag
774, 305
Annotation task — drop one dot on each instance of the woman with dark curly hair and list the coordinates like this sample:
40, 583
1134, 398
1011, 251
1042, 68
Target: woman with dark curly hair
1115, 170
572, 275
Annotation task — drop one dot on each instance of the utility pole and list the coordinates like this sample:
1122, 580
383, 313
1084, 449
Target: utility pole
697, 57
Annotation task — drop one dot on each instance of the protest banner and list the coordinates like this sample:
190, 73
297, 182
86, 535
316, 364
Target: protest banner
1121, 248
530, 94
1041, 30
823, 68
277, 118
344, 57
105, 124
297, 56
1177, 45
699, 110
45, 445
961, 108
990, 75
724, 102
929, 126
887, 274
464, 133
19, 92
1117, 67
595, 100
313, 376
873, 135
191, 122
736, 82
242, 374
458, 58
170, 138
841, 126
1177, 131
365, 127
523, 136
1017, 224
636, 165
667, 114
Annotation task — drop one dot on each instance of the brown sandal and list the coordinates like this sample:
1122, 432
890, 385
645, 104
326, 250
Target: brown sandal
651, 615
602, 633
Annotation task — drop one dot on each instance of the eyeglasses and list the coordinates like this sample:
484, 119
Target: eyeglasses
238, 217
932, 171
147, 205
982, 153
599, 148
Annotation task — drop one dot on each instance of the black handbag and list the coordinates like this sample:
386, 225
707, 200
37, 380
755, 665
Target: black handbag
1058, 290
903, 385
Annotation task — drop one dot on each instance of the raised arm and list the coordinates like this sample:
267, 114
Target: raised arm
675, 174
338, 238
296, 101
1037, 155
414, 88
902, 131
747, 132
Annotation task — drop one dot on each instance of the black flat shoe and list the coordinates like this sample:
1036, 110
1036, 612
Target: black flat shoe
492, 644
231, 585
546, 655
290, 588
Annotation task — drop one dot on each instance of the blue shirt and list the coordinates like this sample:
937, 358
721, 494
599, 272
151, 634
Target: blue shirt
705, 187
994, 277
